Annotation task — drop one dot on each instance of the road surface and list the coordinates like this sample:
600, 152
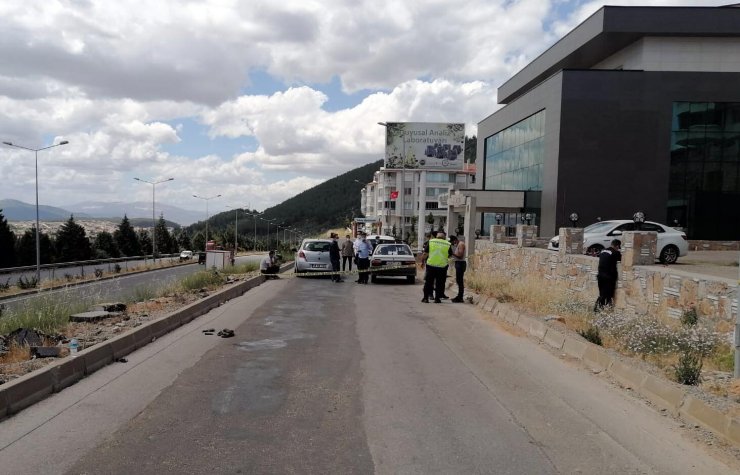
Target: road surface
347, 378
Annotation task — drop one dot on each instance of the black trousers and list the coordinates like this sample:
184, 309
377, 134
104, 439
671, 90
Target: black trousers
434, 281
607, 287
335, 268
345, 260
363, 264
460, 268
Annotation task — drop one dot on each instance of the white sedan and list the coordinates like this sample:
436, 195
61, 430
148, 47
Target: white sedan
671, 243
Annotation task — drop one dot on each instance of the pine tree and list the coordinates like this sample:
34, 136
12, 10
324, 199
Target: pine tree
126, 239
183, 240
105, 246
25, 250
199, 242
7, 243
162, 236
145, 241
72, 243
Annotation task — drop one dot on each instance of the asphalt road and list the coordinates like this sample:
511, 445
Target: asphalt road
121, 288
347, 378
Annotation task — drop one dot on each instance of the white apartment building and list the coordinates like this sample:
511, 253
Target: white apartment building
418, 198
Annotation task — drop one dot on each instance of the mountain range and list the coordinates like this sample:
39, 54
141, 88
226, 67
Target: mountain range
15, 210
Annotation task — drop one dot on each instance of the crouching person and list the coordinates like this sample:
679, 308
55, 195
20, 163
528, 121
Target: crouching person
269, 266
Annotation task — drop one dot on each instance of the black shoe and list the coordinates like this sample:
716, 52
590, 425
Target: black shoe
437, 301
425, 300
444, 297
457, 300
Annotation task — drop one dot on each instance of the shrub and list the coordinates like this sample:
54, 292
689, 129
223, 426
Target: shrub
688, 369
27, 282
592, 334
5, 286
202, 279
98, 273
689, 317
243, 268
47, 312
117, 269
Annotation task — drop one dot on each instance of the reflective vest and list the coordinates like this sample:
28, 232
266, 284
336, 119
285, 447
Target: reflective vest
439, 251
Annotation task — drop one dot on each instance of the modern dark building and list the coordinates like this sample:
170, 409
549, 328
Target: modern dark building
636, 109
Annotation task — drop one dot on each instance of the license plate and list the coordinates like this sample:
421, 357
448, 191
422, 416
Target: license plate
317, 266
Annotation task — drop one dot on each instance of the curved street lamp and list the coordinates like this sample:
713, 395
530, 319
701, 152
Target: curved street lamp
206, 199
38, 243
154, 222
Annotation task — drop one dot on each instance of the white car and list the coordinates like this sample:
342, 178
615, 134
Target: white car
671, 243
313, 256
186, 255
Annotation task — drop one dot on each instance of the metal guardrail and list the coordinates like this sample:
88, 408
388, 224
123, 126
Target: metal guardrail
63, 265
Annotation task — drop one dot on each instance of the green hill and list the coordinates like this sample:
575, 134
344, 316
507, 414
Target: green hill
329, 205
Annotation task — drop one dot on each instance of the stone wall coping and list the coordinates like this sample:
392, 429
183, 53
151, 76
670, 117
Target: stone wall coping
666, 271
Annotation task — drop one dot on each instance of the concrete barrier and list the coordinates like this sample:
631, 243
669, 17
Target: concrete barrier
25, 391
554, 338
574, 347
662, 393
596, 359
697, 411
537, 329
524, 322
627, 376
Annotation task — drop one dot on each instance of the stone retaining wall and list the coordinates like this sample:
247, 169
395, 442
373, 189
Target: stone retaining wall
714, 245
641, 289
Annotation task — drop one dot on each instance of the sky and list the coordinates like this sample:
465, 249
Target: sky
255, 100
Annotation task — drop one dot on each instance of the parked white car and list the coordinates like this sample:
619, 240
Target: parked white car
671, 243
186, 255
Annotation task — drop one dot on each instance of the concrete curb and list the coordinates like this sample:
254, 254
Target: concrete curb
31, 388
664, 394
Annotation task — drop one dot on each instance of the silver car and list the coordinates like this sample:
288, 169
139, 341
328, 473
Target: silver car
313, 256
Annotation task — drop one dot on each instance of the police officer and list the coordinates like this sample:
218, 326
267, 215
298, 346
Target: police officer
435, 256
607, 276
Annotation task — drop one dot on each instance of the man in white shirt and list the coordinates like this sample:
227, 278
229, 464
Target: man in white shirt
269, 266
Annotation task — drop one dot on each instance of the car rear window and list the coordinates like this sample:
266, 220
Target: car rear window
317, 246
390, 250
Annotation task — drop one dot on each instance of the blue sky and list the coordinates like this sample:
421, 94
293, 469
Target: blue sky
256, 100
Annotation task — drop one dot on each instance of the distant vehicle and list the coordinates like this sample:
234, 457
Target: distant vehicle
387, 257
313, 256
376, 239
186, 255
201, 258
671, 243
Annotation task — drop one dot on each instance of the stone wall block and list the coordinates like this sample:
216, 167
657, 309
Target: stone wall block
639, 248
498, 233
526, 235
571, 241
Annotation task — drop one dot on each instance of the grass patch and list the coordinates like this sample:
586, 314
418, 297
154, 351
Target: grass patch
244, 268
208, 279
48, 312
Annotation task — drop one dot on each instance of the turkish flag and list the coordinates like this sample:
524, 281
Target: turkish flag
394, 195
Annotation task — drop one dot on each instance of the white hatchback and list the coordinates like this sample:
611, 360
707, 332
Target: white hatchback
671, 243
313, 256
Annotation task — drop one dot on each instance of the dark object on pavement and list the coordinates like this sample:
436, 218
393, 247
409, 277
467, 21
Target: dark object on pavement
26, 336
45, 351
122, 360
226, 333
111, 307
209, 330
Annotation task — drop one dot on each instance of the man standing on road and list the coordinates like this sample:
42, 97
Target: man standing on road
608, 276
335, 258
436, 253
348, 253
364, 249
458, 258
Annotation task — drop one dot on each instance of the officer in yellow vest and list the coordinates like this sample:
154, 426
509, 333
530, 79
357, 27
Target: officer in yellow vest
435, 256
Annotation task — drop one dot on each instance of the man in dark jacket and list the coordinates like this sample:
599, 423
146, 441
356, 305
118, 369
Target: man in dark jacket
335, 257
607, 276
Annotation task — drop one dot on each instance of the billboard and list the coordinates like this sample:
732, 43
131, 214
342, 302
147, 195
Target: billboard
424, 145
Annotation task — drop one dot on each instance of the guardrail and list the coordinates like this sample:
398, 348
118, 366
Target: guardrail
51, 269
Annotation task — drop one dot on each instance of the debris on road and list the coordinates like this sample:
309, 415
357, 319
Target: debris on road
226, 333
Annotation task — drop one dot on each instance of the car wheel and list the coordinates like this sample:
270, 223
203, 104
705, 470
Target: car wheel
669, 255
410, 279
594, 250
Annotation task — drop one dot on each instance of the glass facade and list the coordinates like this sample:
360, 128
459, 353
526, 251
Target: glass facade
704, 183
514, 157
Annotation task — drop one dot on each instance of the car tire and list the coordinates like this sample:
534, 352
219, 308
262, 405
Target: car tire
669, 254
594, 250
411, 279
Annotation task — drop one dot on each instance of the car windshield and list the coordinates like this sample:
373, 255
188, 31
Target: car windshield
598, 227
317, 246
393, 250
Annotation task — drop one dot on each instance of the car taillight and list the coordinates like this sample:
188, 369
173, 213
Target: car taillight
684, 237
302, 255
376, 262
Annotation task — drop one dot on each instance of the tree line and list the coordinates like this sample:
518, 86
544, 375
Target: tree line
71, 243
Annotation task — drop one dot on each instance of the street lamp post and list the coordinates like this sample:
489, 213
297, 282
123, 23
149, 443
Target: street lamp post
206, 199
403, 177
268, 221
254, 215
36, 159
236, 227
154, 221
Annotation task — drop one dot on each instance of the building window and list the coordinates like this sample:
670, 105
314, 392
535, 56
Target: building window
704, 175
435, 177
431, 205
514, 157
